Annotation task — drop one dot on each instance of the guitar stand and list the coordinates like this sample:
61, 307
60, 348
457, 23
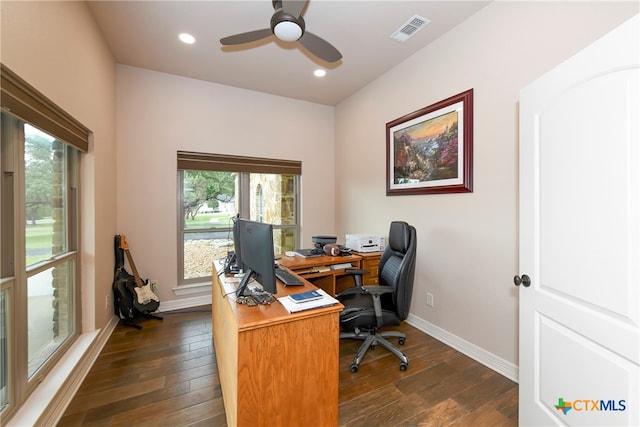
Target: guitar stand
132, 324
146, 316
153, 316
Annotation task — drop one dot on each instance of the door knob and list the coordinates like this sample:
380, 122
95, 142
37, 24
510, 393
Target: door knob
524, 280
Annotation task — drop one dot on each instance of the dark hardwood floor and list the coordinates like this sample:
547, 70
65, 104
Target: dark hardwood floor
166, 375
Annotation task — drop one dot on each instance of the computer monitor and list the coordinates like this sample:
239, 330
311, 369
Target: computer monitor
256, 241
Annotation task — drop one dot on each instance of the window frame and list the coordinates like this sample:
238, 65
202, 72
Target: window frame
243, 167
22, 104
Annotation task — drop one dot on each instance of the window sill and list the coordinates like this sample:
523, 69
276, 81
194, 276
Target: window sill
194, 288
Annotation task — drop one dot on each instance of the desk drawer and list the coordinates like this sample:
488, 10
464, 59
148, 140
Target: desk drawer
371, 264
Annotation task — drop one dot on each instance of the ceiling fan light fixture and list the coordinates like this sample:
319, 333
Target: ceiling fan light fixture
287, 31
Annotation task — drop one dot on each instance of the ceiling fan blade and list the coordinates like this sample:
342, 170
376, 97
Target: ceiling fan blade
247, 37
320, 47
294, 7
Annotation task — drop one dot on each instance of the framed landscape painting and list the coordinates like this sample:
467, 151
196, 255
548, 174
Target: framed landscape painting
430, 151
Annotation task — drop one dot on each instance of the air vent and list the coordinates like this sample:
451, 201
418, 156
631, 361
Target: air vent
409, 28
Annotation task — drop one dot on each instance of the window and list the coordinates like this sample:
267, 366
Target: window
39, 278
215, 188
39, 313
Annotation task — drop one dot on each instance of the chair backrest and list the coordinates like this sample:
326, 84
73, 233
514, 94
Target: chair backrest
397, 265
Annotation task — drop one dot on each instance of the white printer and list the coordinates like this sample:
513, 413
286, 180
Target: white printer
364, 242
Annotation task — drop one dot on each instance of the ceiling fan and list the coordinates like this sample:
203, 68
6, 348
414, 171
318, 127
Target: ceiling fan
288, 25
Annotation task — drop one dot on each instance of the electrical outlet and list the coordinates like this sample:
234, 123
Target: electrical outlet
429, 299
107, 301
153, 284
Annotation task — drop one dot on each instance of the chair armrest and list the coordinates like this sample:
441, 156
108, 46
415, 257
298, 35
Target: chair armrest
371, 290
356, 271
378, 290
357, 275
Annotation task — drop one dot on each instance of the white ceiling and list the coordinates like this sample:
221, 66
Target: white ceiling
144, 34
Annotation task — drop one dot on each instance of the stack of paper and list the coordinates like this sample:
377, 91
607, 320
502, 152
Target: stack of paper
293, 307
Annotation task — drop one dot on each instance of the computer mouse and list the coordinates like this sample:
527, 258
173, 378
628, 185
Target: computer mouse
290, 253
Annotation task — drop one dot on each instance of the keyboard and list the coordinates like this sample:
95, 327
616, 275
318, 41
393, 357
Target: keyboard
287, 278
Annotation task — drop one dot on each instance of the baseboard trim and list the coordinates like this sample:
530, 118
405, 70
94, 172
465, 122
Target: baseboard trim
490, 360
185, 303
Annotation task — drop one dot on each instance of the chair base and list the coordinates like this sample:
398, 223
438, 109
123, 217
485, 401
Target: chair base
372, 339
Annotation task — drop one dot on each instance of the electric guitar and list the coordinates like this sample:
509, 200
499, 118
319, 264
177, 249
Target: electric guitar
144, 299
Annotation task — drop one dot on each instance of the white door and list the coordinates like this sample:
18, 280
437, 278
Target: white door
580, 238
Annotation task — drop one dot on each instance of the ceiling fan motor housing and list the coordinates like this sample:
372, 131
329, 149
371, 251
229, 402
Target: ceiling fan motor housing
287, 27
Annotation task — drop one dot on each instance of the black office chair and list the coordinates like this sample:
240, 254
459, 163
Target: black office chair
368, 308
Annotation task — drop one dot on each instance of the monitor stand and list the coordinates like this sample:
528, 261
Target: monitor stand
243, 283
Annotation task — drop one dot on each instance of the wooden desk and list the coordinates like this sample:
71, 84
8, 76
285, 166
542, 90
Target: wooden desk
332, 281
335, 281
276, 368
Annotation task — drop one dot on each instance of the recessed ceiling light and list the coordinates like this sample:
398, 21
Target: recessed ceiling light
319, 73
186, 38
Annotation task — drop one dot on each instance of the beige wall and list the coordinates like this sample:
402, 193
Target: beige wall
56, 48
159, 114
467, 243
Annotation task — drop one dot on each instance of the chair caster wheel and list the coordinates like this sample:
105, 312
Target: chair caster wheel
354, 368
403, 366
401, 341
